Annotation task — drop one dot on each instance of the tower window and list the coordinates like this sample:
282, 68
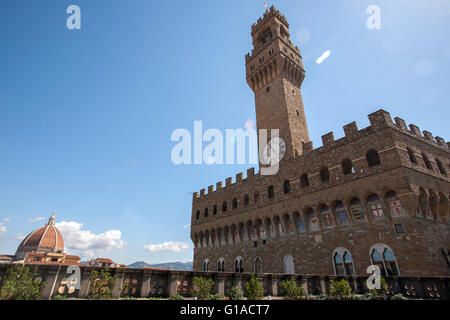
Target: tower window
246, 200
268, 89
347, 166
427, 162
271, 192
206, 212
215, 209
287, 186
261, 59
324, 175
304, 181
372, 158
224, 206
197, 215
412, 157
441, 167
235, 203
270, 51
298, 114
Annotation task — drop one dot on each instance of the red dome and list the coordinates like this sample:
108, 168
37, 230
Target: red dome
46, 238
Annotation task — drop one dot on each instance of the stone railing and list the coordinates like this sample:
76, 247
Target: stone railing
163, 283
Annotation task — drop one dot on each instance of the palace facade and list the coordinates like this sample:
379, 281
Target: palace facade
379, 195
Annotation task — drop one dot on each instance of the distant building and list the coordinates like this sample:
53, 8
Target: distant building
44, 245
6, 258
105, 262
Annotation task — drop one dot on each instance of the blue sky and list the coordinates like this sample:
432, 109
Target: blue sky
86, 115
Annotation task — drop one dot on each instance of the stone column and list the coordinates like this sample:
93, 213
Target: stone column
274, 285
220, 285
51, 280
172, 284
305, 285
117, 288
146, 278
85, 283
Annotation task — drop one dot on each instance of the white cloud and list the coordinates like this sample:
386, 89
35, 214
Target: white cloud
85, 242
19, 237
3, 229
324, 56
7, 219
36, 219
249, 124
167, 246
424, 68
187, 226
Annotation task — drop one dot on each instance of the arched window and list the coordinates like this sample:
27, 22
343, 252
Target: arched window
287, 186
221, 265
246, 200
347, 166
215, 209
372, 158
206, 212
271, 192
304, 181
197, 215
341, 213
375, 206
324, 175
258, 265
206, 265
356, 209
235, 203
412, 157
239, 265
343, 262
224, 206
427, 161
441, 167
348, 263
382, 256
338, 265
289, 266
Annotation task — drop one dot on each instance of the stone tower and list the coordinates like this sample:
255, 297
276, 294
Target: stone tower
275, 74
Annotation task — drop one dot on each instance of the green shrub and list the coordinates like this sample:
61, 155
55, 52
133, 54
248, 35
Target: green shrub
101, 284
154, 298
216, 297
236, 293
176, 297
340, 289
380, 292
59, 297
398, 296
253, 289
127, 298
290, 289
201, 287
20, 283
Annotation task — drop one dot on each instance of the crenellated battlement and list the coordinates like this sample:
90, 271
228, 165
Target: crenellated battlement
379, 120
270, 13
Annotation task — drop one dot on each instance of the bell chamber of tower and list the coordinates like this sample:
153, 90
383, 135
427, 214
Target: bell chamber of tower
275, 74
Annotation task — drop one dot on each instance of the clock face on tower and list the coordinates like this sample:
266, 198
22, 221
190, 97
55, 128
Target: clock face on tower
275, 150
